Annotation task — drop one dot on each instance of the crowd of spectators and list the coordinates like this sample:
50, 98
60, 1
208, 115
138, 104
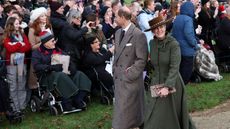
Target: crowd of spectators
85, 30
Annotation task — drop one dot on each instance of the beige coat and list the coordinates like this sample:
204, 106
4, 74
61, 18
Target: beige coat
35, 43
129, 85
34, 40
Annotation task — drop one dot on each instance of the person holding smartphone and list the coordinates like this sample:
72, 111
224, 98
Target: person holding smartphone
72, 37
96, 29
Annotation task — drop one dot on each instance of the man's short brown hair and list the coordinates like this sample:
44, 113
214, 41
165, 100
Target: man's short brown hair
116, 2
91, 17
147, 2
125, 12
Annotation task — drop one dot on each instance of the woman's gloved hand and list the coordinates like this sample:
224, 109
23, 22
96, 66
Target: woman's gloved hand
56, 67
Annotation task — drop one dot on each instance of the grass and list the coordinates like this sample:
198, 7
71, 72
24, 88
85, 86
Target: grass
96, 117
200, 96
208, 94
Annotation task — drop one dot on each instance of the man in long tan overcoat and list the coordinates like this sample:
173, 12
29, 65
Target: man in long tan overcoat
129, 62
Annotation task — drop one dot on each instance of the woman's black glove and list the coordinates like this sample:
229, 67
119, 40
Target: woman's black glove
56, 67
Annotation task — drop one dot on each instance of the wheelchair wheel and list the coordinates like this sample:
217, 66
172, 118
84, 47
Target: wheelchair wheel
105, 100
87, 99
14, 117
16, 121
198, 79
224, 68
35, 104
53, 111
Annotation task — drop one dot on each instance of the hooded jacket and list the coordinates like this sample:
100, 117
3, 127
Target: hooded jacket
183, 30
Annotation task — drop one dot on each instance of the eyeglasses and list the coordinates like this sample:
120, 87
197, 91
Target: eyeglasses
78, 18
54, 41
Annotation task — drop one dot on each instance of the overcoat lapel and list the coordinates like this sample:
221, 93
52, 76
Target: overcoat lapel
120, 47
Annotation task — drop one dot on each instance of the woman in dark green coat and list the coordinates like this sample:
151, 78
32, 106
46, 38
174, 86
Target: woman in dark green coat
167, 108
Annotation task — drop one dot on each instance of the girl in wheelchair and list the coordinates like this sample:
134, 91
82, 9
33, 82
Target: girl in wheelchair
73, 86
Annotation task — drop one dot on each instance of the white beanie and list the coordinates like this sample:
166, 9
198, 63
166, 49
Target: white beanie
37, 13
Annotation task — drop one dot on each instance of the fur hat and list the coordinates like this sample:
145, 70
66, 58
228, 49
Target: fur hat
158, 21
37, 13
54, 5
203, 2
45, 36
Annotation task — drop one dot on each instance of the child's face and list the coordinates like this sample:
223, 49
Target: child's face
16, 25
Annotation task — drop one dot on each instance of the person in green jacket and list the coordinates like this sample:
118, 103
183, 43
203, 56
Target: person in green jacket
165, 106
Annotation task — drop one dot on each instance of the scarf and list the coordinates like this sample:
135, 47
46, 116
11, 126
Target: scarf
17, 58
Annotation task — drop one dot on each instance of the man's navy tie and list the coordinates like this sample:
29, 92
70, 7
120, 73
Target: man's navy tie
122, 35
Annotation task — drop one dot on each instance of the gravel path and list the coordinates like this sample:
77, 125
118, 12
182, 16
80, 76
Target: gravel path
216, 118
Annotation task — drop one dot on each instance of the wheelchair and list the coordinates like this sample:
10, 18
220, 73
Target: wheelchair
42, 98
100, 89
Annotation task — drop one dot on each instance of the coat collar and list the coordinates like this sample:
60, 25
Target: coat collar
46, 52
121, 45
164, 42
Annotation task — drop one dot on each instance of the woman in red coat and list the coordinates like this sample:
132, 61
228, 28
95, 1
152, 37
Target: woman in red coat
16, 44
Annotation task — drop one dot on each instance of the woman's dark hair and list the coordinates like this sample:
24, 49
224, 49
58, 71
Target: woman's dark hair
90, 38
9, 8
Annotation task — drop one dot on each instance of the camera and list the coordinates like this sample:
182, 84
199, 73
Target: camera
92, 24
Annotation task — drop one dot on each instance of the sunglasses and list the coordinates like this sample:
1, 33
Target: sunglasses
54, 41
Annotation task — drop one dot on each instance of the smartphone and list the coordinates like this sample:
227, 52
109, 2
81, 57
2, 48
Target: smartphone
92, 24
